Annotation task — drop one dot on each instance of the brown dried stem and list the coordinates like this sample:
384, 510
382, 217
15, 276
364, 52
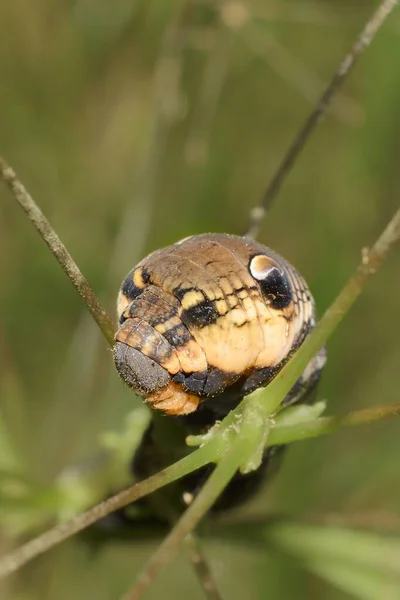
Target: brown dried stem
201, 568
363, 41
56, 246
297, 74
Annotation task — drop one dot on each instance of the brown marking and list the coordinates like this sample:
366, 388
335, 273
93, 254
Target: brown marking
143, 337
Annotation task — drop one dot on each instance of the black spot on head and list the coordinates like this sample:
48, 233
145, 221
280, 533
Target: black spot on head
200, 315
194, 383
130, 289
145, 275
206, 383
276, 288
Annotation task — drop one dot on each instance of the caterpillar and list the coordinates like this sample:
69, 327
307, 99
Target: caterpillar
202, 323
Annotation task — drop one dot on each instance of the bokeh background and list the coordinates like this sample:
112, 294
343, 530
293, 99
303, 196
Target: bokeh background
134, 124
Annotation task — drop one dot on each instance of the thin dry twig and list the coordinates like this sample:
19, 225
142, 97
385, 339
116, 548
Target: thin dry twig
297, 74
325, 425
44, 542
363, 41
56, 246
136, 217
201, 568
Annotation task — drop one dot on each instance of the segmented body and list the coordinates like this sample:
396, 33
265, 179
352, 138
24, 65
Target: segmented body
203, 323
211, 314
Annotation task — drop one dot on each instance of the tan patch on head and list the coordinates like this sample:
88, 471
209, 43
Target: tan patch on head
191, 298
171, 364
230, 349
278, 340
247, 337
237, 317
243, 294
233, 301
173, 400
226, 285
192, 358
236, 282
222, 307
138, 278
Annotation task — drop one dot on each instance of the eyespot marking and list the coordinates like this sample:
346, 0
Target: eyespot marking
220, 314
273, 281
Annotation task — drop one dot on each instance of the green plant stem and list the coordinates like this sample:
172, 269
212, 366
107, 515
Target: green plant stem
266, 400
366, 36
240, 446
325, 425
58, 249
202, 503
273, 394
13, 561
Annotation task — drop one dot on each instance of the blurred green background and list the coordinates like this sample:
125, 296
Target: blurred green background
134, 124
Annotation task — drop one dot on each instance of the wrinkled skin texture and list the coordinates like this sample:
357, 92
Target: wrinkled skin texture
213, 316
203, 323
